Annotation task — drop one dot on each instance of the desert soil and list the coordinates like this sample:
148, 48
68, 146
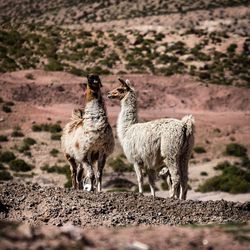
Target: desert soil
79, 219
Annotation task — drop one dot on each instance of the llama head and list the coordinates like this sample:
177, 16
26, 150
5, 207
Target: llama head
93, 90
94, 82
121, 91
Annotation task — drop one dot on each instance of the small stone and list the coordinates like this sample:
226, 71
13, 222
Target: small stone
137, 245
70, 229
26, 231
205, 242
59, 224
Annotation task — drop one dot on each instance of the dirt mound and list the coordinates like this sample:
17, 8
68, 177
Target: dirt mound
57, 206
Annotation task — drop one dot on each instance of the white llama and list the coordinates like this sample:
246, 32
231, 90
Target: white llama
154, 143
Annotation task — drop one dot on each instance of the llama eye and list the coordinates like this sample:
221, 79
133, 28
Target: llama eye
121, 90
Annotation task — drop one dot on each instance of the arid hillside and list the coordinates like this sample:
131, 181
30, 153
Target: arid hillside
205, 39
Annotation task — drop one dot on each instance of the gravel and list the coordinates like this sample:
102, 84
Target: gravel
57, 206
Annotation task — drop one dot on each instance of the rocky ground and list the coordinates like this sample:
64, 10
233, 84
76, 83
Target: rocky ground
42, 207
57, 206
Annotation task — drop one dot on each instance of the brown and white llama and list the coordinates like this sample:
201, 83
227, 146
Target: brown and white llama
155, 143
88, 138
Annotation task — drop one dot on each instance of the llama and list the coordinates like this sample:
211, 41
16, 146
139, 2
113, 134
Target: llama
88, 138
155, 143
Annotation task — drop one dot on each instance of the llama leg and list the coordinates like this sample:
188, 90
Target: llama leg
89, 179
169, 182
79, 177
183, 189
138, 171
73, 168
184, 178
151, 180
175, 177
101, 164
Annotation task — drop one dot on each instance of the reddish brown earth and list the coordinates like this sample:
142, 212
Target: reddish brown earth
222, 115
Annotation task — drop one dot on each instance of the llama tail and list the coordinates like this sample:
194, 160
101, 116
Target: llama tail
188, 143
189, 124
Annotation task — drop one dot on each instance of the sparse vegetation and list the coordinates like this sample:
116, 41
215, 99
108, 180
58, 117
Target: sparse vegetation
235, 149
6, 108
3, 138
23, 148
52, 128
29, 141
54, 152
59, 49
118, 165
119, 183
245, 162
5, 175
17, 132
56, 137
2, 167
7, 156
36, 128
199, 149
234, 179
222, 165
204, 173
26, 143
19, 165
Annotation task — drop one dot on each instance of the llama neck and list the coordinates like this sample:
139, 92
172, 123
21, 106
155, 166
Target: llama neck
128, 114
94, 106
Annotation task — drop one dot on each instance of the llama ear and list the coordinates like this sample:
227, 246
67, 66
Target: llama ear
122, 82
129, 83
125, 84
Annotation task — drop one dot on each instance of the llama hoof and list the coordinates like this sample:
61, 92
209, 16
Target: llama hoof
87, 187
